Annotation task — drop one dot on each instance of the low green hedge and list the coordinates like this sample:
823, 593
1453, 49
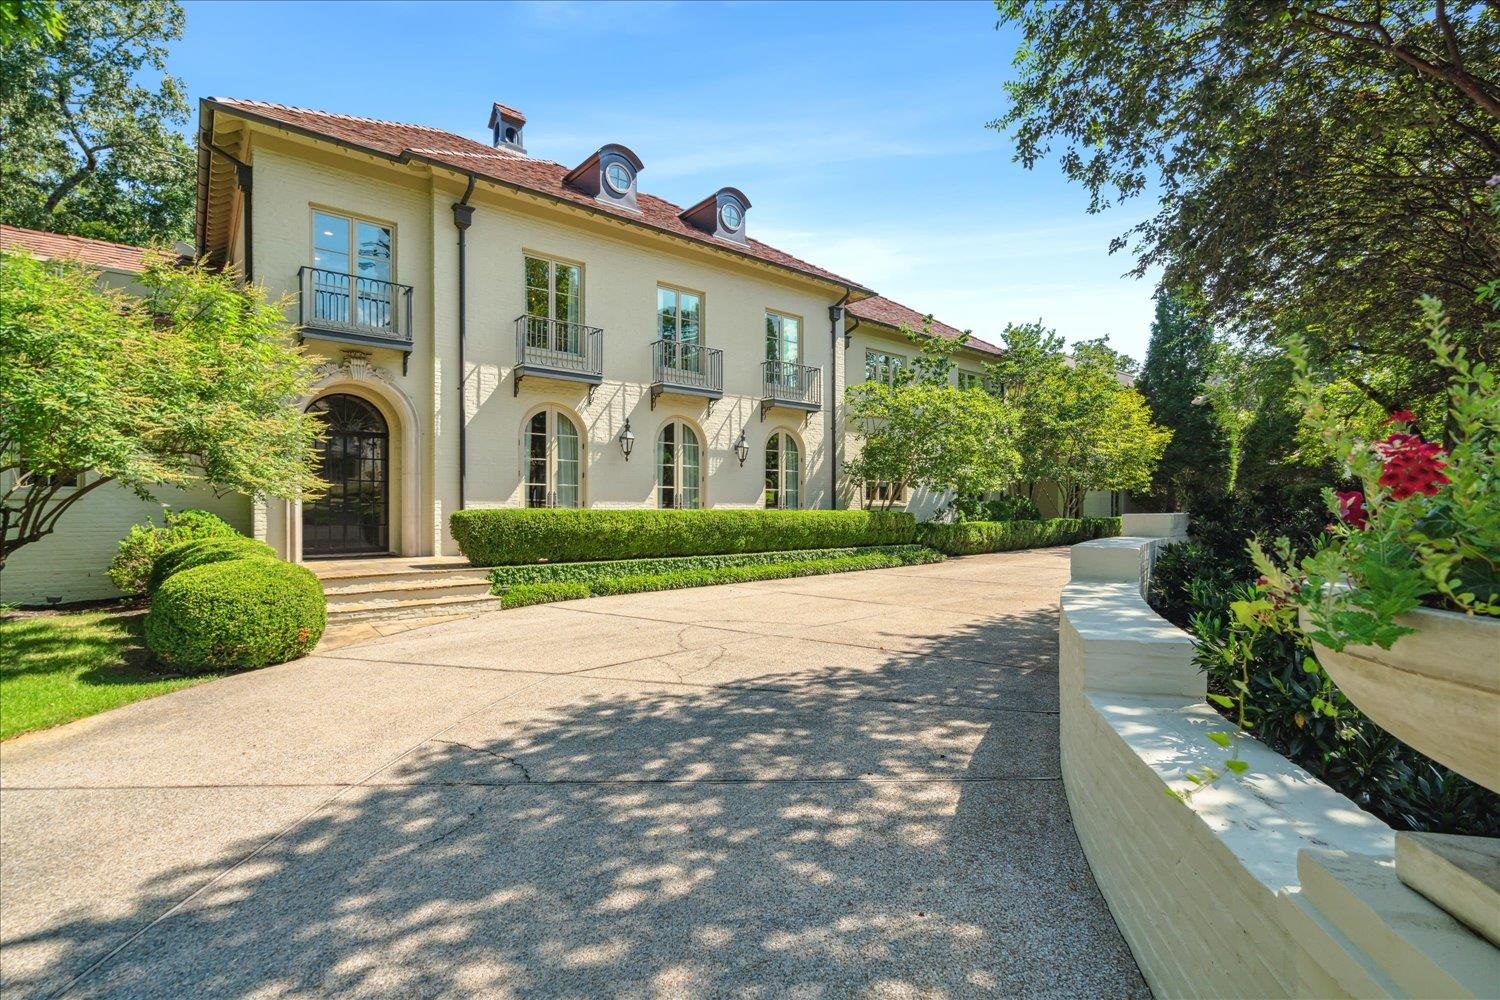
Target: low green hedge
235, 615
131, 568
512, 576
523, 594
508, 536
968, 538
201, 552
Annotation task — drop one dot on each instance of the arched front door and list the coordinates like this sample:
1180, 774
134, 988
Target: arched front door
353, 517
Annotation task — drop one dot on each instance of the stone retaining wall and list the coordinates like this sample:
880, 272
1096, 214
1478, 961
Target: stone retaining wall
1265, 885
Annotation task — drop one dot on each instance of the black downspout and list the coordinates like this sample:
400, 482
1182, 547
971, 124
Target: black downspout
463, 217
835, 313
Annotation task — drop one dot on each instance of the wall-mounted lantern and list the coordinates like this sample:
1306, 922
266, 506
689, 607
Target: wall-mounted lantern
627, 440
742, 448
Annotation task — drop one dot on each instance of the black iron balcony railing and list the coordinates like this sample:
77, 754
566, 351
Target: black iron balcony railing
555, 349
798, 387
347, 307
686, 368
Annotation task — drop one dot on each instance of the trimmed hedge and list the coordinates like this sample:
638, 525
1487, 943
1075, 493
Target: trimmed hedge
523, 594
186, 555
511, 536
131, 568
636, 583
512, 576
235, 615
968, 538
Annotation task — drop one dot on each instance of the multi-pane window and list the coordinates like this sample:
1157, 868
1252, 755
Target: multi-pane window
679, 467
679, 323
553, 460
878, 493
970, 380
784, 348
554, 305
783, 470
883, 366
352, 262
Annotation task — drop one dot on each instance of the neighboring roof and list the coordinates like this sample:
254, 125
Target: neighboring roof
893, 314
96, 253
404, 143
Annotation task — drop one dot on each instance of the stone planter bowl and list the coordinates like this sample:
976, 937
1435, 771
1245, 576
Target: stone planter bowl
1437, 689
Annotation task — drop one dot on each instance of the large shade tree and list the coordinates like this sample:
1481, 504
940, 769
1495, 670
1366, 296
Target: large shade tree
1178, 367
91, 121
196, 383
1320, 165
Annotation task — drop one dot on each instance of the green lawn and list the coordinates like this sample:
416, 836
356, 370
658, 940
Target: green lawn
56, 668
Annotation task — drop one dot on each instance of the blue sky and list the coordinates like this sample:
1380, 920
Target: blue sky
857, 130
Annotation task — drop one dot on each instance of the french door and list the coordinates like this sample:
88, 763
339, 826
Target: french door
784, 347
354, 460
554, 461
679, 467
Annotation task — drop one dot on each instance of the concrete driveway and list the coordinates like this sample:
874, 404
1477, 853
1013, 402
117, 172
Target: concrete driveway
827, 787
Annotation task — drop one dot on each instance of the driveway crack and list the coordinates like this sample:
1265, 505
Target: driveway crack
525, 772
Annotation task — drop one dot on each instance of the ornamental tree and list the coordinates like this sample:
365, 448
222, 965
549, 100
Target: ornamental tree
932, 435
195, 383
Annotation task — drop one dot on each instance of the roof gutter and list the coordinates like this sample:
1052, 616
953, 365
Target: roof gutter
463, 217
835, 315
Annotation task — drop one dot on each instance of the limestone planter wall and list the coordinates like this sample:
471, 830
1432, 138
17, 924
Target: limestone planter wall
1267, 885
1437, 689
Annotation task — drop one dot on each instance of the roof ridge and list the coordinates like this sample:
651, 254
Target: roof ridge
366, 120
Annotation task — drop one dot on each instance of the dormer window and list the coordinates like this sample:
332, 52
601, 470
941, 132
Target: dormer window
608, 175
721, 214
507, 124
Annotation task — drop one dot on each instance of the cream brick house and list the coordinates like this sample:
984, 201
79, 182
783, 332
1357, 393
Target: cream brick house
502, 330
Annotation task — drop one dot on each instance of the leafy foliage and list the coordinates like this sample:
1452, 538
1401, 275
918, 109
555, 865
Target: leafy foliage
1318, 166
186, 555
92, 148
145, 543
678, 579
235, 615
1080, 425
1004, 507
1173, 380
966, 538
196, 382
512, 536
510, 576
918, 433
30, 22
1426, 526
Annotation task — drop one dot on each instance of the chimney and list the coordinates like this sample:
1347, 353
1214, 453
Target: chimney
507, 124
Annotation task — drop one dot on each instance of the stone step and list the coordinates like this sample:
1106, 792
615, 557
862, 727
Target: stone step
373, 592
346, 614
340, 573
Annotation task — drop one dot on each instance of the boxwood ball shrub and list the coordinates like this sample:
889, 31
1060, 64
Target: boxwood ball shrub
968, 538
510, 536
131, 569
235, 615
187, 555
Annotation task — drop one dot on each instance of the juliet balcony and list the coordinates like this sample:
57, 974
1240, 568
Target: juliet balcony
792, 386
554, 349
686, 370
351, 309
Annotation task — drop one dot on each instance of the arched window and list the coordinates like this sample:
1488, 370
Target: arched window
783, 470
679, 467
554, 461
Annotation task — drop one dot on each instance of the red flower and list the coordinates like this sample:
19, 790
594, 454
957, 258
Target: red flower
1400, 417
1412, 465
1352, 509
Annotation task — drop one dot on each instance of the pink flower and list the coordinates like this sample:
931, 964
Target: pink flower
1400, 417
1352, 509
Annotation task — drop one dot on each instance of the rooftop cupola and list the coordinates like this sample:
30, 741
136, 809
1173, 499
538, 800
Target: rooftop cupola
608, 175
507, 125
721, 214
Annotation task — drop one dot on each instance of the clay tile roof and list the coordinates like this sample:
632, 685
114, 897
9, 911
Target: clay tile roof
510, 112
96, 253
405, 142
888, 313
